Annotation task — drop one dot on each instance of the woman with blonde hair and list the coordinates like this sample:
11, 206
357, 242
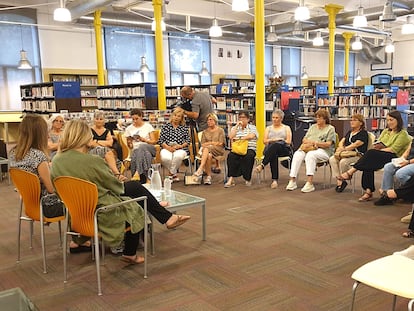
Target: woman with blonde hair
356, 140
212, 145
174, 140
317, 145
55, 125
73, 160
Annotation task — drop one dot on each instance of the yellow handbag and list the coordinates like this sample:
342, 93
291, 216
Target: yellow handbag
239, 146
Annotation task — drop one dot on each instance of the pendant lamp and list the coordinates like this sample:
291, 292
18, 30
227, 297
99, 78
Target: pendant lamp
204, 71
62, 14
144, 67
23, 62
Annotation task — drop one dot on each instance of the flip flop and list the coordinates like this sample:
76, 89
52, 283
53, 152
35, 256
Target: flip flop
136, 260
180, 219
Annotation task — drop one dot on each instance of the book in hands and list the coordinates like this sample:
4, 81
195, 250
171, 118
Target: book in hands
397, 162
379, 145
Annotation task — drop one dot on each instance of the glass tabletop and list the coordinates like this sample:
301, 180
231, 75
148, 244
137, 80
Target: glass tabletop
175, 198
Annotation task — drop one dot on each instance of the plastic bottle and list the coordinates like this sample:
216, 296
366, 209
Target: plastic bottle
167, 185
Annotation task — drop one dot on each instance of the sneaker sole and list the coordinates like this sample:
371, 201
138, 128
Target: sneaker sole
307, 190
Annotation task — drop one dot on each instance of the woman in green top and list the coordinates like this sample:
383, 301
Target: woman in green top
392, 143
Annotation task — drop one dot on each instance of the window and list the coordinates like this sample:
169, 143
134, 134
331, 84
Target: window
340, 69
291, 65
187, 52
268, 60
19, 36
124, 48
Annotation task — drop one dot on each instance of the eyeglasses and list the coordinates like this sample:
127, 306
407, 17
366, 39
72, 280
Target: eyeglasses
59, 121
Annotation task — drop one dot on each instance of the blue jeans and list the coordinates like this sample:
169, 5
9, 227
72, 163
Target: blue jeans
402, 175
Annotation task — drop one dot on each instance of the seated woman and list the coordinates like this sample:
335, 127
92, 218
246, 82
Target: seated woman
355, 140
242, 165
174, 140
317, 145
212, 146
141, 138
391, 144
102, 142
277, 139
30, 154
55, 123
74, 149
402, 171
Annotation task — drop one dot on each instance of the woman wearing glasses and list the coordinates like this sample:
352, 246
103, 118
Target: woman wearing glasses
55, 124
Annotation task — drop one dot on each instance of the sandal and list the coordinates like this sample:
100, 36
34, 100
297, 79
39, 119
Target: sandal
344, 176
136, 260
408, 234
366, 197
179, 220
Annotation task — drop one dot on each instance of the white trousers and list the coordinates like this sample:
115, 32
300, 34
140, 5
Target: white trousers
172, 160
310, 157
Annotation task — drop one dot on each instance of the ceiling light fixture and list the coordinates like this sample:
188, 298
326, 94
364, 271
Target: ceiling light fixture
144, 67
23, 62
240, 5
304, 73
215, 29
357, 44
408, 28
358, 75
297, 29
271, 36
360, 20
318, 40
163, 26
302, 12
62, 14
275, 73
388, 13
204, 71
389, 45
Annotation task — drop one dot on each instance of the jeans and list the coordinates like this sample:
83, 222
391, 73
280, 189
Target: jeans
402, 175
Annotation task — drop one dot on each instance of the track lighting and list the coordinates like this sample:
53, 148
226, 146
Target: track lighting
62, 14
357, 44
204, 71
144, 67
318, 40
240, 5
215, 29
360, 20
302, 12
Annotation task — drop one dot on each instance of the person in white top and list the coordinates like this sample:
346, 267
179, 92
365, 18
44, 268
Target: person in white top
141, 138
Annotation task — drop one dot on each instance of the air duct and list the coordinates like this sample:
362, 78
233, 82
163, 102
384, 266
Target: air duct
85, 7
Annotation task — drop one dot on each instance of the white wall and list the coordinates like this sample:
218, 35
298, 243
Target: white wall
230, 59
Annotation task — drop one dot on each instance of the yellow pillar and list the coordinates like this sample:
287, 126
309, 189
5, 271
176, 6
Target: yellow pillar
332, 10
347, 36
98, 39
162, 101
259, 39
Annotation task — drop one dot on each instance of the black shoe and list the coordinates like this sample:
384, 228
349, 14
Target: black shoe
341, 187
384, 200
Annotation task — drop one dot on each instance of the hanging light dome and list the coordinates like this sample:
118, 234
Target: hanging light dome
144, 67
318, 40
204, 71
24, 62
358, 75
304, 73
389, 46
240, 5
215, 29
302, 12
357, 44
408, 28
62, 14
360, 20
271, 36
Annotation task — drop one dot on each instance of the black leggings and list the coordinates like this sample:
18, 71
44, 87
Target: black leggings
272, 154
135, 189
370, 162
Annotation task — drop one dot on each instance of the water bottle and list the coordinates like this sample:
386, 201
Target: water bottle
167, 185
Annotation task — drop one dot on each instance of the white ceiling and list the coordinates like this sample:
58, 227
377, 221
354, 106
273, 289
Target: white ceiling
236, 26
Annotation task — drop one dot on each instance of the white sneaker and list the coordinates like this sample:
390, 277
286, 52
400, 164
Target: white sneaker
408, 252
248, 183
273, 185
308, 187
406, 219
291, 185
207, 181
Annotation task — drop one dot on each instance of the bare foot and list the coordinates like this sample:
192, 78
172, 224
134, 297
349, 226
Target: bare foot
164, 203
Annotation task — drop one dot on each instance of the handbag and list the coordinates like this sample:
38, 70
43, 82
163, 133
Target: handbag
307, 147
239, 146
346, 154
52, 206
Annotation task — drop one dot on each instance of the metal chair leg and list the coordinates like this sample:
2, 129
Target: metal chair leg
354, 288
410, 305
394, 302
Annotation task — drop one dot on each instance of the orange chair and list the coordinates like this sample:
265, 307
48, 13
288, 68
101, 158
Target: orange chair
28, 185
81, 198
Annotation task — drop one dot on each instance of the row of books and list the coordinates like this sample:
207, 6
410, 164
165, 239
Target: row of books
121, 103
121, 91
37, 92
39, 105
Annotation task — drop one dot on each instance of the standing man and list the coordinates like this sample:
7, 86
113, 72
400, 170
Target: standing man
201, 106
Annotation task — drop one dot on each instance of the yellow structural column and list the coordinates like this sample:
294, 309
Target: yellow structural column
332, 10
347, 36
259, 40
162, 101
99, 54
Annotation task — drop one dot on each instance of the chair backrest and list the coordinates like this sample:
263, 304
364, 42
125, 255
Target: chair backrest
157, 158
28, 185
126, 151
371, 139
80, 198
